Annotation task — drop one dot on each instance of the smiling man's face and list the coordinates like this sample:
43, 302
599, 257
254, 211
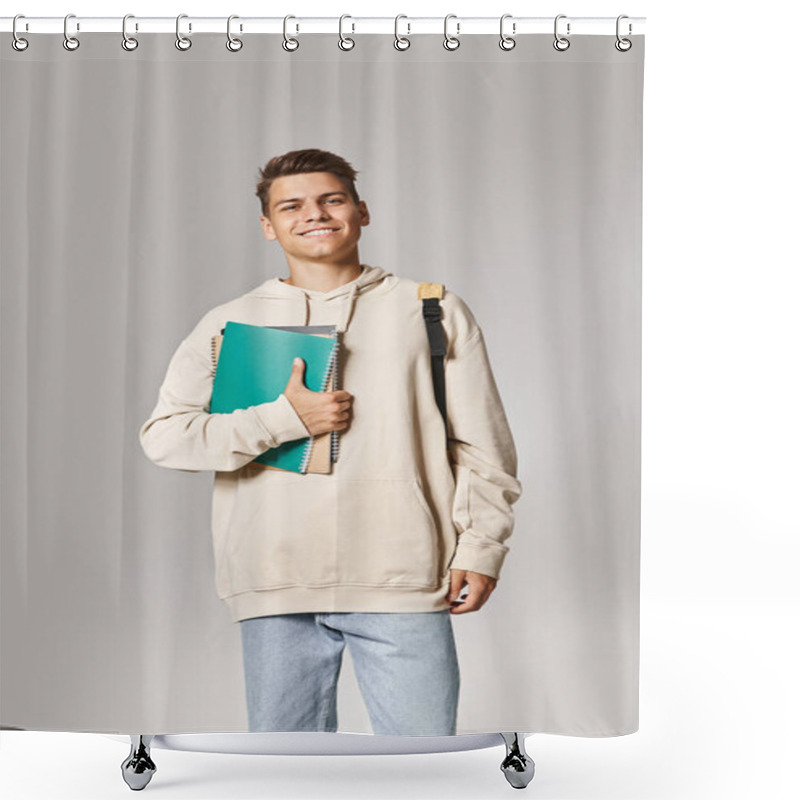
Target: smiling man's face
314, 219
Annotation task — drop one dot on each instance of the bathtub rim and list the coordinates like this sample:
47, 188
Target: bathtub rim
318, 743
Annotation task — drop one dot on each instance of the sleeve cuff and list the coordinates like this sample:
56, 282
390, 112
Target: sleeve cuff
474, 558
280, 421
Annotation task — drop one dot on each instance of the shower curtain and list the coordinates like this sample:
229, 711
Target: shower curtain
513, 177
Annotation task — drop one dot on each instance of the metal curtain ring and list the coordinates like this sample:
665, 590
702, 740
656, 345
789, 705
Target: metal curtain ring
400, 42
128, 42
233, 44
182, 42
561, 43
17, 42
451, 42
70, 42
289, 43
623, 45
345, 42
507, 42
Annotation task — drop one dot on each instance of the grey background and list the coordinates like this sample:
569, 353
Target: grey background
128, 210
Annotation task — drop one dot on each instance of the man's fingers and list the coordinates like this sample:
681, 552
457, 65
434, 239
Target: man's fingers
473, 602
456, 582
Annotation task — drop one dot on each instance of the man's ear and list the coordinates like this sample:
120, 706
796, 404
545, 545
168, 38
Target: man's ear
364, 212
269, 232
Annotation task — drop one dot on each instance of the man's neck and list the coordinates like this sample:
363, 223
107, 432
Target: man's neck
322, 277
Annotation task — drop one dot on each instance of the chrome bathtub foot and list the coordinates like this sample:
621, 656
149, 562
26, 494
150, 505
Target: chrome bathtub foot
138, 768
517, 766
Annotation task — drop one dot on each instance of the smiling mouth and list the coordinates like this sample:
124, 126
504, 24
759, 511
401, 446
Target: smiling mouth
320, 232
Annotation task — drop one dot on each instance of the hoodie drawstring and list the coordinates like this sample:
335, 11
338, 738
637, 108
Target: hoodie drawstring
306, 309
347, 308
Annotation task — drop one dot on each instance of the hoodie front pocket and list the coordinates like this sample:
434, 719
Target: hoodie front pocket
386, 534
281, 531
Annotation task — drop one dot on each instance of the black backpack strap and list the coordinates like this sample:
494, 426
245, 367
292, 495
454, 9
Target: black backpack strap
431, 294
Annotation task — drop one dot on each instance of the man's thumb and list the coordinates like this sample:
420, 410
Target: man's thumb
298, 371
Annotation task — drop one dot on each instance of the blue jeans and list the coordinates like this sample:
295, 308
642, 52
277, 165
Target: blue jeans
406, 666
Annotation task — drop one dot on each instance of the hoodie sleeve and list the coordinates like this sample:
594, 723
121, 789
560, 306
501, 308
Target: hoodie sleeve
181, 434
484, 460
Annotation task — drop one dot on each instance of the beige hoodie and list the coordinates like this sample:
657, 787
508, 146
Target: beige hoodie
380, 532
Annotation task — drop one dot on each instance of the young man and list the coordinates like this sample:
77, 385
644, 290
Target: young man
375, 553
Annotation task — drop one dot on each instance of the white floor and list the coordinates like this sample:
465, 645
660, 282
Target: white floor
719, 704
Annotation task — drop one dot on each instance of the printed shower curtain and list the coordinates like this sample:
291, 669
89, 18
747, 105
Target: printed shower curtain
129, 210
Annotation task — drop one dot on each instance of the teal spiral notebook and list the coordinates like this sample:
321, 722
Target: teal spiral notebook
254, 366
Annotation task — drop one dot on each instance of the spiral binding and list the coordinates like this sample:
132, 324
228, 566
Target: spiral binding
332, 366
214, 354
335, 387
306, 455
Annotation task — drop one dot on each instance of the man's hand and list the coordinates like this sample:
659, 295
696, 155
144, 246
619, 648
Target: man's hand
479, 587
320, 411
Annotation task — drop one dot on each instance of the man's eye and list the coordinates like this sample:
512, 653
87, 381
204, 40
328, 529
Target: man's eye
334, 199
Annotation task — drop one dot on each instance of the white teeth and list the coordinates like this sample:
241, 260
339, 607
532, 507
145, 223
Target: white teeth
321, 232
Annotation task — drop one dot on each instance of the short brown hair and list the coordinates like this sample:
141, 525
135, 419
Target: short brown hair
299, 161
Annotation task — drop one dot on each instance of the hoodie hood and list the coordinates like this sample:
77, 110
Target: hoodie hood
345, 296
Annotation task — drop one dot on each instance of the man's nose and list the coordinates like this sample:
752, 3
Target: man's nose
318, 211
